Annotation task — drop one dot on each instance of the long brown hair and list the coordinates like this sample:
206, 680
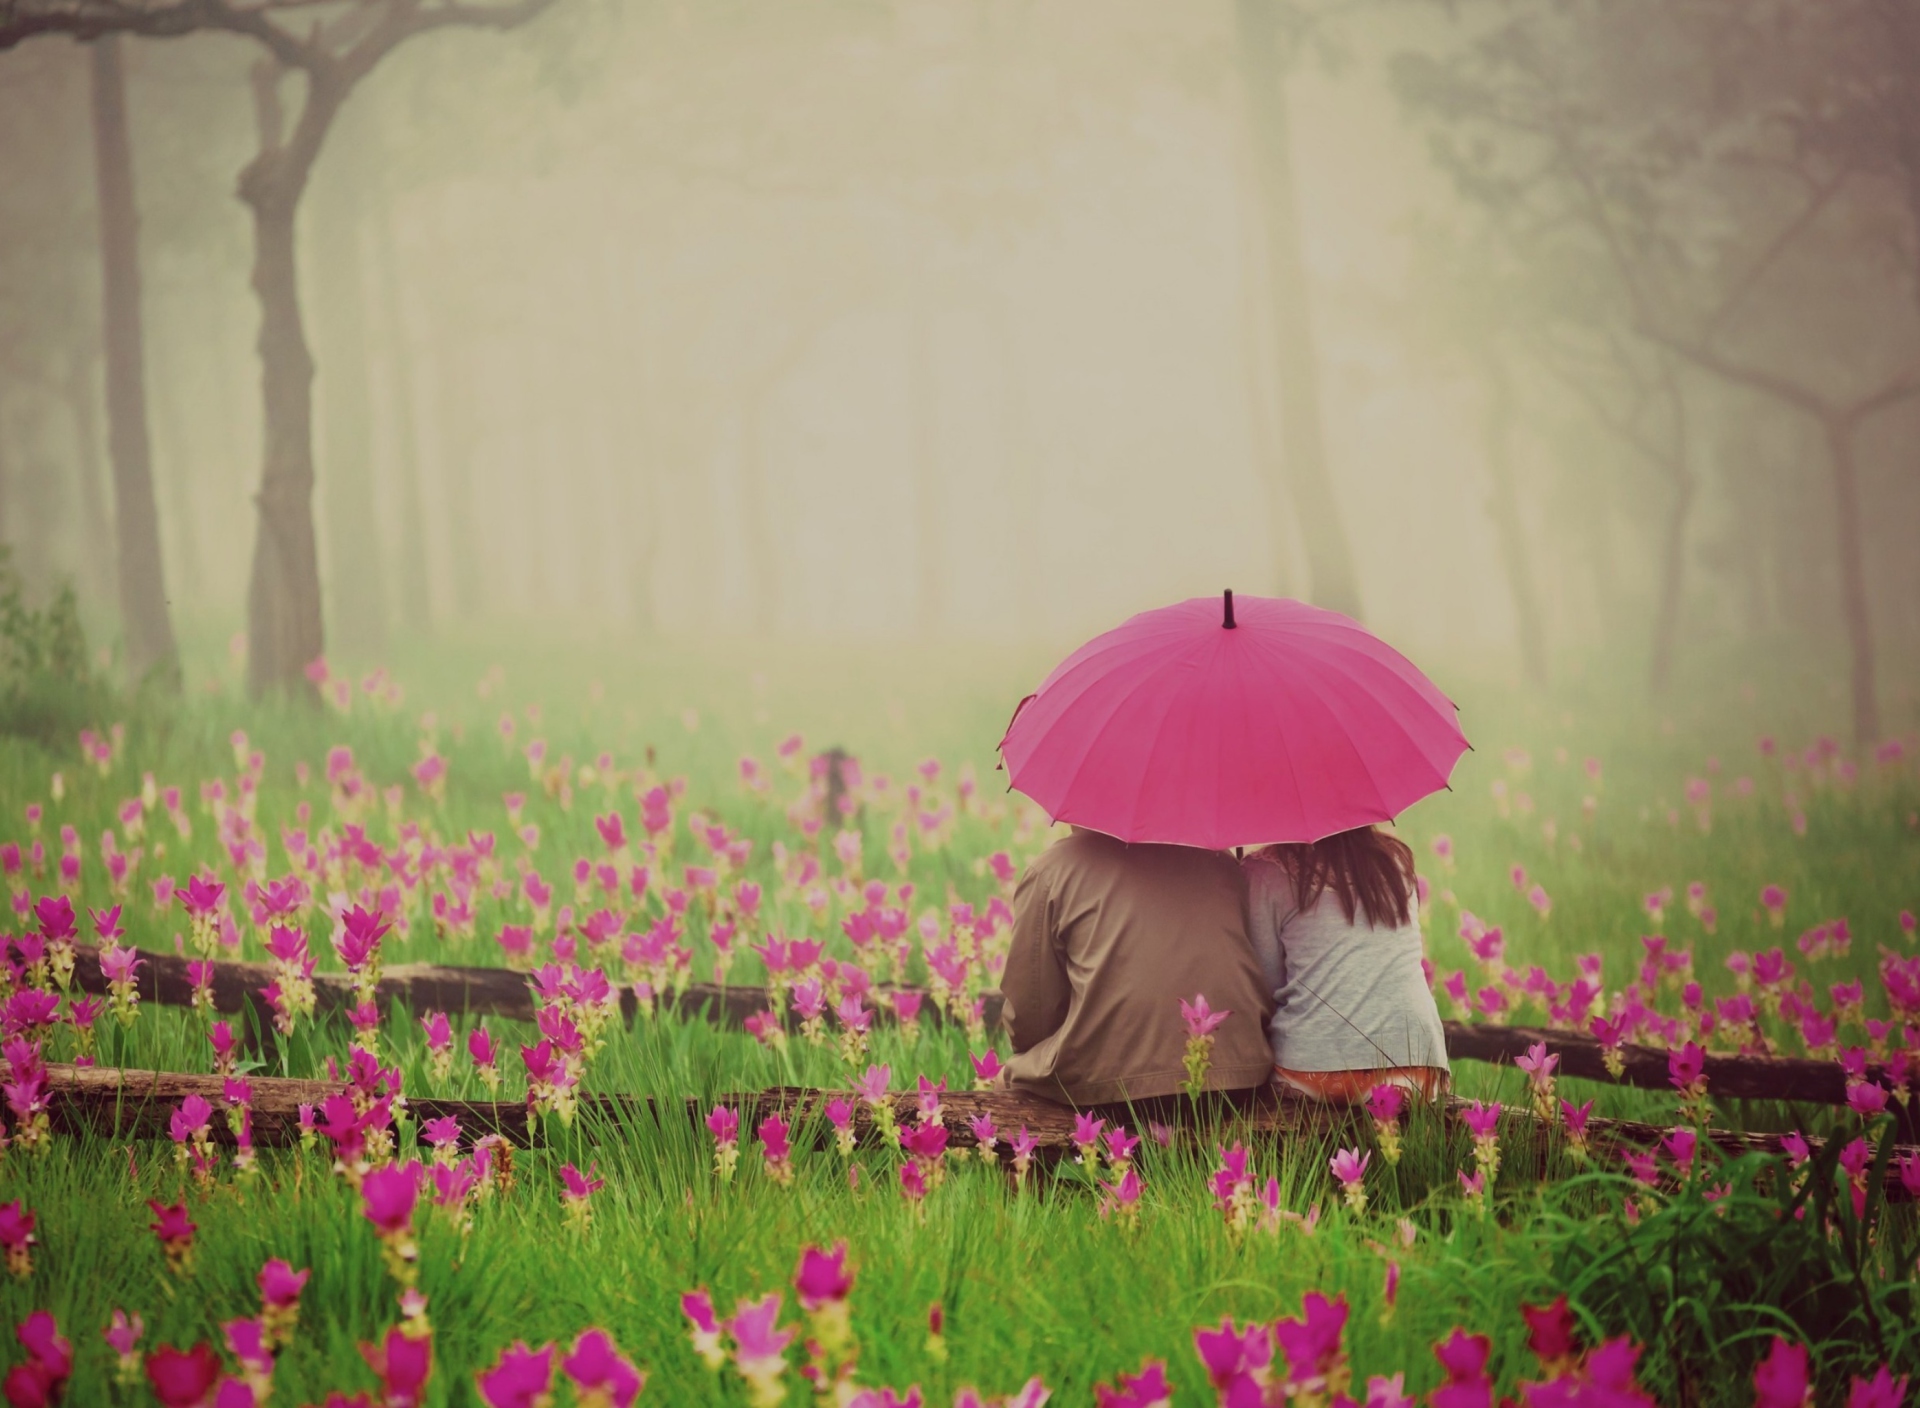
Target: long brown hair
1369, 872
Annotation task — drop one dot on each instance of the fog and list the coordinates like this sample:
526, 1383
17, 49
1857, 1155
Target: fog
896, 320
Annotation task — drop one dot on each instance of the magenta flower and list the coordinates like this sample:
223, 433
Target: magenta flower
1086, 1133
697, 1306
822, 1277
577, 1186
873, 1085
1385, 1102
201, 897
1201, 1020
1866, 1098
1482, 1120
183, 1378
1349, 1166
190, 1119
985, 1132
600, 1373
1234, 1359
987, 1067
479, 1046
1881, 1391
439, 1030
1463, 1357
1147, 1389
388, 1196
1538, 1064
925, 1142
913, 1182
759, 1344
1120, 1145
520, 1378
1681, 1144
1686, 1067
280, 1284
16, 1237
403, 1363
1780, 1380
1641, 1164
1311, 1344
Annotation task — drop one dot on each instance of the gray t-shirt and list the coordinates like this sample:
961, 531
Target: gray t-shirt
1349, 997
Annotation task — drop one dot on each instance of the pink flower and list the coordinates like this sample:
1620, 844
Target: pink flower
1385, 1102
1538, 1065
520, 1378
926, 1142
480, 1046
280, 1284
1640, 1163
183, 1378
171, 1224
1686, 1067
600, 1373
1350, 1166
1201, 1020
986, 1067
822, 1277
697, 1306
1147, 1389
724, 1124
872, 1087
1866, 1098
403, 1363
439, 1031
913, 1182
759, 1345
1311, 1344
577, 1186
1780, 1381
1681, 1145
1881, 1391
388, 1196
1482, 1120
774, 1147
1234, 1358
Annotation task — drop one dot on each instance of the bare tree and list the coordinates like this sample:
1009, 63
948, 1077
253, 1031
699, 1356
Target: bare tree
284, 623
143, 588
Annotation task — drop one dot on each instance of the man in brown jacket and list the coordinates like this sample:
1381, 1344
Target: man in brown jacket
1107, 939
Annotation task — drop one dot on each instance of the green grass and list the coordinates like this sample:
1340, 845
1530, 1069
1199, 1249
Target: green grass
1034, 1282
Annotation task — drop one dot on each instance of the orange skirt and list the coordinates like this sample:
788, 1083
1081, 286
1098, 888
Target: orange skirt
1351, 1087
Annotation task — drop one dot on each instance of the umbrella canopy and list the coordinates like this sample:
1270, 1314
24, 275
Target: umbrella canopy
1224, 723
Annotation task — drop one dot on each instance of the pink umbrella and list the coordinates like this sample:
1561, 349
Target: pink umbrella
1268, 720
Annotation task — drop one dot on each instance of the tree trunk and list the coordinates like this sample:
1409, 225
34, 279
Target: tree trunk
143, 592
1673, 546
1333, 582
1839, 431
284, 630
97, 571
930, 607
1503, 507
355, 569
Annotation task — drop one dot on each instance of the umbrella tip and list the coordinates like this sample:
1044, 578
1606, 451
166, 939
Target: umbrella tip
1229, 623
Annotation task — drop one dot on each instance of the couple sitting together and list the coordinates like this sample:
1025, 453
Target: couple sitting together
1313, 950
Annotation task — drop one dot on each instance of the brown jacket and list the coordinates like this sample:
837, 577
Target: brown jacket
1107, 938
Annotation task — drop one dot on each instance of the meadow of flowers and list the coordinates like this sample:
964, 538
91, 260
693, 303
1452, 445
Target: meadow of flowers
1711, 887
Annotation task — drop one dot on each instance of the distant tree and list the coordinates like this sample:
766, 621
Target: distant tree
1267, 36
1736, 171
143, 589
284, 619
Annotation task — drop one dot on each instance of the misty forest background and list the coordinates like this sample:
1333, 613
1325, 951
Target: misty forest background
1538, 334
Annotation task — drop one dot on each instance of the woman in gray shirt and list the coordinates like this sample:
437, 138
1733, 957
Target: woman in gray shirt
1334, 927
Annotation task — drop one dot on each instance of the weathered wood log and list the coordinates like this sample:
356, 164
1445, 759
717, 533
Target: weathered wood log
503, 992
432, 987
138, 1104
1793, 1080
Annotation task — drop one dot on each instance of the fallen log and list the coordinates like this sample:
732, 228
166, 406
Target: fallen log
137, 1104
505, 992
431, 987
